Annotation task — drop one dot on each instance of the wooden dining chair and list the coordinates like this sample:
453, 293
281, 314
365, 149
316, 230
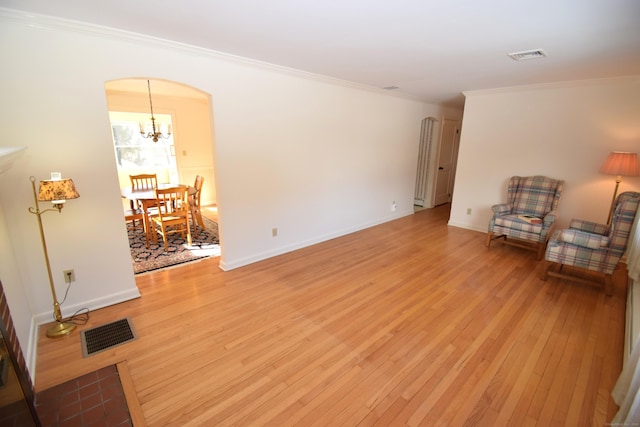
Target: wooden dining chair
194, 203
172, 214
136, 217
136, 211
145, 181
132, 215
141, 182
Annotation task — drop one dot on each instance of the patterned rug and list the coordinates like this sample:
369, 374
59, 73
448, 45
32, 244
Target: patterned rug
153, 258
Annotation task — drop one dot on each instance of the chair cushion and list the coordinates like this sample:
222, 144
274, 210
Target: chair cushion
584, 239
535, 196
517, 224
578, 256
133, 211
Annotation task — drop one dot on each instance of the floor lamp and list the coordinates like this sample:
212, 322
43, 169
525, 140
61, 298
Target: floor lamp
619, 164
56, 190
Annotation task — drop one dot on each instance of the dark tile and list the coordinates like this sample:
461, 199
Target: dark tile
47, 395
96, 423
94, 400
113, 380
90, 402
88, 379
72, 422
115, 404
67, 411
48, 419
68, 388
117, 417
113, 391
89, 390
93, 415
107, 371
68, 398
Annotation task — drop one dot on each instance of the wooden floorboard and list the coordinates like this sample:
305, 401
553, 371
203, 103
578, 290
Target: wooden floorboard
408, 323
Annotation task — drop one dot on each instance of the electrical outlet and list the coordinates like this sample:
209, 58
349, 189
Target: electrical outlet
69, 276
393, 206
274, 232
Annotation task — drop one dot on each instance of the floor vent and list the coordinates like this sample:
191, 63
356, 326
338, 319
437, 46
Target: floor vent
103, 337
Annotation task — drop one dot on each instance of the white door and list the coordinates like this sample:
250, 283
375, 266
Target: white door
447, 159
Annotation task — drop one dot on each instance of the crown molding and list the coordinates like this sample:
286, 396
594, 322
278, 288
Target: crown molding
552, 85
61, 24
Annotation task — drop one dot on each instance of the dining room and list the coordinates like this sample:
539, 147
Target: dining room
163, 129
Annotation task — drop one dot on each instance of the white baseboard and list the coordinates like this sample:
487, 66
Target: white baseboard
230, 265
632, 324
467, 226
32, 350
42, 318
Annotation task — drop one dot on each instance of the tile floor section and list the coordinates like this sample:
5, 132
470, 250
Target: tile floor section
93, 400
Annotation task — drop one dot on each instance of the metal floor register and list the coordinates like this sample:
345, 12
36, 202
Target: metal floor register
103, 337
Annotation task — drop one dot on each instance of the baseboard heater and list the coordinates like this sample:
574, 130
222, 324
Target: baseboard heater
422, 173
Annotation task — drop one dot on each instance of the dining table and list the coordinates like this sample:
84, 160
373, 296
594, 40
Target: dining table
147, 199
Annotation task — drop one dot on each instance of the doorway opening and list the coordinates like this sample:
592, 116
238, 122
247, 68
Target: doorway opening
437, 160
177, 160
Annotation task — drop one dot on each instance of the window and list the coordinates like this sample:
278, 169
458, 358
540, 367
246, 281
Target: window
132, 151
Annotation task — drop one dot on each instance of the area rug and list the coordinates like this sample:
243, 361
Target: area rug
154, 257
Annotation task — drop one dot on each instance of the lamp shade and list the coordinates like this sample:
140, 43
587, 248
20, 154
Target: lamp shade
621, 164
57, 190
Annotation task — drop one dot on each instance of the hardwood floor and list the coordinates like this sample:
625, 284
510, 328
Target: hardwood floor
411, 323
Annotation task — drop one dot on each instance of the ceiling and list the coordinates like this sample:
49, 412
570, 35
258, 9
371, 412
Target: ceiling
433, 50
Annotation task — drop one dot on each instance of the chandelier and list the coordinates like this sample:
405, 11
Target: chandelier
155, 132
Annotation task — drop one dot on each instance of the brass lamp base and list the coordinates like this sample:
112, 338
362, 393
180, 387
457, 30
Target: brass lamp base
60, 329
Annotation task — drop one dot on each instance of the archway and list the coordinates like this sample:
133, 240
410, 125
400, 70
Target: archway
190, 113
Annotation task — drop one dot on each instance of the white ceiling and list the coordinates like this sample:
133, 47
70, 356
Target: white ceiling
430, 49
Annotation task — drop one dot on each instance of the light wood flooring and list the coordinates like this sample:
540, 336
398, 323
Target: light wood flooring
412, 322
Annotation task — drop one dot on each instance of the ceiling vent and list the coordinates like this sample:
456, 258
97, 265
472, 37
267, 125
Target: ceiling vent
528, 54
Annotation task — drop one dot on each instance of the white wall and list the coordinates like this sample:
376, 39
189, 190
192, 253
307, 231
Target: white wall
314, 157
564, 131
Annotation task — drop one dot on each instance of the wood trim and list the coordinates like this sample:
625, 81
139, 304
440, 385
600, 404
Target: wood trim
135, 410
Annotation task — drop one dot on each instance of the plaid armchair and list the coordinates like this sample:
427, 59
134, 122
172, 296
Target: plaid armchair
593, 246
533, 196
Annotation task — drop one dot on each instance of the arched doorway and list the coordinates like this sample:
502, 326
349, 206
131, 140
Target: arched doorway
189, 151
